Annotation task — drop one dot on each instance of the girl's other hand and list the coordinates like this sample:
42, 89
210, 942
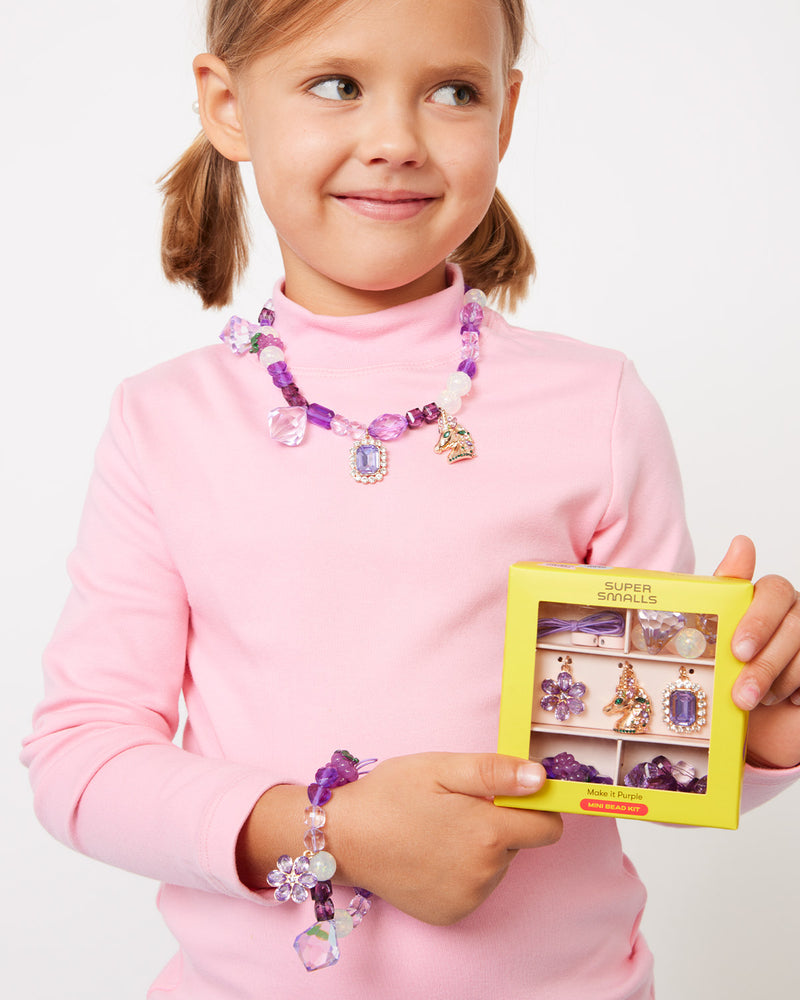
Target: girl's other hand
422, 833
767, 640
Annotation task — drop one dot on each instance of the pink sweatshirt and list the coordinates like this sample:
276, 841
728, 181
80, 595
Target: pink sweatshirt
299, 611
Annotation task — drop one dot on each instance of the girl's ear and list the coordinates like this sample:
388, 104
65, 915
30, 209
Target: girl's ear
219, 107
507, 121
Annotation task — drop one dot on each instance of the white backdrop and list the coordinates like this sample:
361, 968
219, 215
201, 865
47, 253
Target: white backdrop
655, 165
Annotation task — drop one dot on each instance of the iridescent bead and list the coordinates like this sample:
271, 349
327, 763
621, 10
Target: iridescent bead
414, 418
270, 355
448, 401
323, 865
314, 840
315, 816
343, 923
475, 295
340, 425
459, 382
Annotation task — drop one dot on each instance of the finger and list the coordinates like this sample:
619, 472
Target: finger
740, 559
767, 639
485, 775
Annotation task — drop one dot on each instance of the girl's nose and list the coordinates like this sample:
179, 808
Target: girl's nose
392, 135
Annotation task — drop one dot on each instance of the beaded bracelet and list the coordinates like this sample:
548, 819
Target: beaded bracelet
312, 871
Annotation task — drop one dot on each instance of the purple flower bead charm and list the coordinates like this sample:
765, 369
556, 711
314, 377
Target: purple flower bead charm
291, 879
564, 695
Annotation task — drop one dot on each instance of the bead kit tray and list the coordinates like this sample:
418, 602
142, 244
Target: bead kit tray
618, 681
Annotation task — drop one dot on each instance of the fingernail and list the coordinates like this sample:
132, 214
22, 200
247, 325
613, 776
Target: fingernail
530, 776
748, 696
769, 699
745, 650
795, 698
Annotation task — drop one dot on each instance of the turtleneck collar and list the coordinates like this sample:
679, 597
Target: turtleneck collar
422, 330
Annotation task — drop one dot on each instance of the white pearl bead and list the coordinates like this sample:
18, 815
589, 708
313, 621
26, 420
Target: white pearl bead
270, 355
448, 401
475, 295
460, 383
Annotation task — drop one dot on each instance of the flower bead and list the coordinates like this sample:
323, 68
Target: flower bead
291, 879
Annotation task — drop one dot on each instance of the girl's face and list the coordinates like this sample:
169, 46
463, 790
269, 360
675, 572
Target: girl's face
375, 143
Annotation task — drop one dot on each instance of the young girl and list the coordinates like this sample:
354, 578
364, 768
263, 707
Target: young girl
228, 550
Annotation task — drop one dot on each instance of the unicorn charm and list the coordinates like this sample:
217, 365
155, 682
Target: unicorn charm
454, 438
631, 703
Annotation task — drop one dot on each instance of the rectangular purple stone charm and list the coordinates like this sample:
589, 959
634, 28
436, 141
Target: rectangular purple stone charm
683, 708
368, 459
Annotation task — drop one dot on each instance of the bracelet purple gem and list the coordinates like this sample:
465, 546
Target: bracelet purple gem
311, 872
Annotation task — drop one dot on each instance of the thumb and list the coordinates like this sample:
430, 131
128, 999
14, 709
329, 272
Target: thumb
740, 559
485, 775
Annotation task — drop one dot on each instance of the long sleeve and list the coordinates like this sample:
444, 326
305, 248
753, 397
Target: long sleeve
108, 781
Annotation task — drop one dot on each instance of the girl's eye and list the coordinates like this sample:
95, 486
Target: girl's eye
455, 94
336, 88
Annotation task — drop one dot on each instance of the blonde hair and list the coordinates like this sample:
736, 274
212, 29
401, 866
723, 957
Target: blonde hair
205, 237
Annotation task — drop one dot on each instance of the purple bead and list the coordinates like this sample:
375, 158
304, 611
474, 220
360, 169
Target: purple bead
472, 314
414, 418
266, 317
345, 766
318, 795
324, 911
320, 415
387, 427
469, 367
277, 368
282, 379
327, 776
293, 396
431, 413
322, 891
268, 340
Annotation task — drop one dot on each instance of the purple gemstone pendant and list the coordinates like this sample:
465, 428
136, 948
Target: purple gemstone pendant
684, 705
368, 460
563, 696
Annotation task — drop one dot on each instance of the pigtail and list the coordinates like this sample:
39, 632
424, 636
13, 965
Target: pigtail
205, 237
496, 257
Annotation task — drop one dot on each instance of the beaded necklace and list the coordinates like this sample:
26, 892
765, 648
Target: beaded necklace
368, 456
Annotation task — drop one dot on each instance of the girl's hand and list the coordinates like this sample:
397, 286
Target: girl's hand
767, 640
422, 833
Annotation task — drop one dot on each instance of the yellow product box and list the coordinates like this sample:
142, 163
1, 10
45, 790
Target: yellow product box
619, 681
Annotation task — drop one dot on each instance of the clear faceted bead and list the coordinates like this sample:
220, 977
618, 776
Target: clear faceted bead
315, 816
317, 946
287, 424
314, 840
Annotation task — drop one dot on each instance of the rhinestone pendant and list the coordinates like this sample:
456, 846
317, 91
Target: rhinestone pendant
684, 705
368, 460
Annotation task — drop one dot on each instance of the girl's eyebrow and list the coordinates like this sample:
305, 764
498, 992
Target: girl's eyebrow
326, 63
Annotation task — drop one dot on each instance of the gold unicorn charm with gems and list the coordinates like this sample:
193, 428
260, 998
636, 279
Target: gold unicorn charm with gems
631, 703
454, 439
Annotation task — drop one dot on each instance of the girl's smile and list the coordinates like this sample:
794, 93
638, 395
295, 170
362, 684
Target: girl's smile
375, 143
